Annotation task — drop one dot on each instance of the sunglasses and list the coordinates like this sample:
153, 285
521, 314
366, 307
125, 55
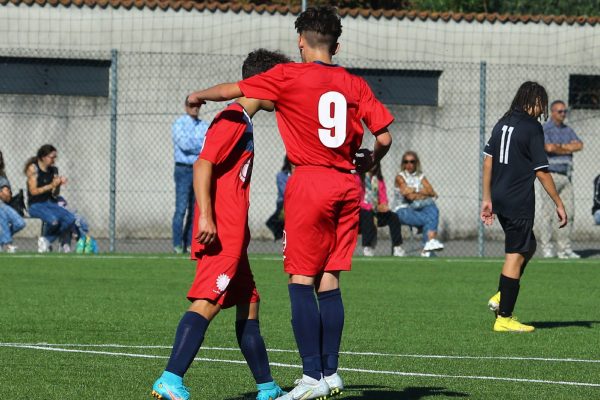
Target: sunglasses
409, 161
562, 111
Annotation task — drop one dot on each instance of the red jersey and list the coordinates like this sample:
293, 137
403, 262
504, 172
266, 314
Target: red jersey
319, 110
229, 145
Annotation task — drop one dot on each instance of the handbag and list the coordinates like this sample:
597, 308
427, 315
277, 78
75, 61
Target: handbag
18, 203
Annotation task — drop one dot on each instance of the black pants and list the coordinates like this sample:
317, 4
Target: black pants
369, 230
275, 222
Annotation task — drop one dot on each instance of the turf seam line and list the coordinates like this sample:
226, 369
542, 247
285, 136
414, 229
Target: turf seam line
368, 371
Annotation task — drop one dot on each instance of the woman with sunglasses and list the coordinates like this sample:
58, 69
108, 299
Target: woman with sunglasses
43, 189
415, 204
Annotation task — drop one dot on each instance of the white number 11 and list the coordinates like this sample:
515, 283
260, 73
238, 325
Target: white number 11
333, 133
505, 144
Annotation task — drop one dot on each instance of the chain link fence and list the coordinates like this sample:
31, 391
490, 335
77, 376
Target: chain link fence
116, 150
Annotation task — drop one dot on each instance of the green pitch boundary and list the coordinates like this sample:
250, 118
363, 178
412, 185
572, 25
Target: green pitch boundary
276, 257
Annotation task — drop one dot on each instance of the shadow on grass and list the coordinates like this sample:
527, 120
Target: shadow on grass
587, 253
371, 392
562, 324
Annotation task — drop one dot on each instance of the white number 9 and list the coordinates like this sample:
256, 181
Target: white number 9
333, 133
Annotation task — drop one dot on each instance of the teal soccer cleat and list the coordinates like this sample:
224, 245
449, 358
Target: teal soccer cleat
269, 391
170, 387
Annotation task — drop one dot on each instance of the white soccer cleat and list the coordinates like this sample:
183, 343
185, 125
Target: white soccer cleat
399, 251
433, 245
336, 384
368, 251
43, 245
306, 390
10, 248
568, 254
426, 254
66, 248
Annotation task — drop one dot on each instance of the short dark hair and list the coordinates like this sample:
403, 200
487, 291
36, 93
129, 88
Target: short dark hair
262, 60
555, 102
321, 27
529, 95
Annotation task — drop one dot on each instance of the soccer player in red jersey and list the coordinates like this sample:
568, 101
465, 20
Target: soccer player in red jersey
320, 108
223, 277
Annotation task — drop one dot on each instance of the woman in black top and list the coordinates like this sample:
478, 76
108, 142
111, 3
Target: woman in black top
43, 186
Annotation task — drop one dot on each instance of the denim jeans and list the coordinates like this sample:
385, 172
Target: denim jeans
10, 223
184, 206
58, 220
427, 217
597, 217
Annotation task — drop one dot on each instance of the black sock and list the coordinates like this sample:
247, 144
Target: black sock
188, 339
332, 325
253, 348
509, 291
306, 323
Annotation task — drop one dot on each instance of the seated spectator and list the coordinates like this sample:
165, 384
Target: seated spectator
80, 228
375, 212
596, 207
414, 202
10, 220
43, 188
275, 221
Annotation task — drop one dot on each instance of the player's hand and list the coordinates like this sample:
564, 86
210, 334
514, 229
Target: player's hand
194, 101
486, 213
363, 160
383, 208
207, 230
562, 216
63, 180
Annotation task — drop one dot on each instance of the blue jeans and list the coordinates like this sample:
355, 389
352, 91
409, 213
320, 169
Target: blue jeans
597, 217
58, 220
427, 217
10, 223
184, 206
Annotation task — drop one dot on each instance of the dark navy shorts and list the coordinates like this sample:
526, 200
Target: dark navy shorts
518, 234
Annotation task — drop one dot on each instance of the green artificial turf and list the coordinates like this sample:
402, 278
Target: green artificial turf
405, 309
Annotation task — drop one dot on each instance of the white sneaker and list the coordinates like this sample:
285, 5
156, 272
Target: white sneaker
368, 251
548, 253
433, 245
399, 251
307, 390
65, 248
568, 254
10, 248
426, 253
43, 245
335, 383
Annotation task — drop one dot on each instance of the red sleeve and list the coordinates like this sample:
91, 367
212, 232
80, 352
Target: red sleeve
265, 86
375, 115
225, 131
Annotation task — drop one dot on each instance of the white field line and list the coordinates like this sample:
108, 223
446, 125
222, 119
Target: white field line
349, 353
366, 371
370, 260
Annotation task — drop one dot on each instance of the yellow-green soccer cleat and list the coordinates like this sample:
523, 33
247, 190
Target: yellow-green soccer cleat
494, 303
510, 324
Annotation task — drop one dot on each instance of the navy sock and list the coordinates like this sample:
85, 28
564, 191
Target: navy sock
188, 339
509, 291
253, 348
332, 324
306, 323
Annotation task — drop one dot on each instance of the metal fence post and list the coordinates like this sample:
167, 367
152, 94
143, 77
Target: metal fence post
482, 98
304, 5
113, 149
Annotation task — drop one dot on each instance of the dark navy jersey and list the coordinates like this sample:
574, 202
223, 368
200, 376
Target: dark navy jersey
517, 149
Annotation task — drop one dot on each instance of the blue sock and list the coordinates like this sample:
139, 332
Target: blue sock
332, 324
253, 348
306, 324
188, 339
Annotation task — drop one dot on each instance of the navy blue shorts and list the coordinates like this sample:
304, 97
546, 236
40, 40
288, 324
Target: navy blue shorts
518, 234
